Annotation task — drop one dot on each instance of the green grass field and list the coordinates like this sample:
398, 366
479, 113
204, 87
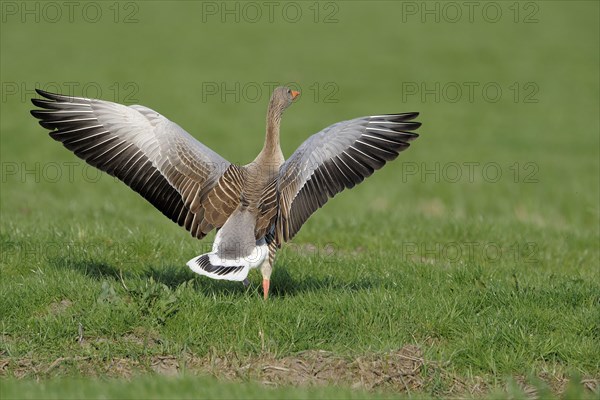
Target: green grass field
469, 267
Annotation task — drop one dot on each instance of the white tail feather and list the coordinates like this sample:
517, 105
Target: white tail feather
215, 267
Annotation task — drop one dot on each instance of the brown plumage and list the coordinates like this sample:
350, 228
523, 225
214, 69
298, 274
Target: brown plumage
255, 207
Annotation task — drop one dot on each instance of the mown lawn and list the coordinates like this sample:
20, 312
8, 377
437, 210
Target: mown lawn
469, 267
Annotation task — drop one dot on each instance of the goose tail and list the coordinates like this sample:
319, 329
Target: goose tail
235, 251
211, 265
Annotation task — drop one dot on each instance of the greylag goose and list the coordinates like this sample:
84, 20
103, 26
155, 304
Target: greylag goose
256, 207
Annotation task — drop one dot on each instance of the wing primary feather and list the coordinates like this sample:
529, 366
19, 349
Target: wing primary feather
149, 153
338, 157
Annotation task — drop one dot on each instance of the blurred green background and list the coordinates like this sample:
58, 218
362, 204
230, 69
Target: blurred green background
508, 159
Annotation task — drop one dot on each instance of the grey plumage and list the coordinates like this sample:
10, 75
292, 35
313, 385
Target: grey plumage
149, 153
337, 158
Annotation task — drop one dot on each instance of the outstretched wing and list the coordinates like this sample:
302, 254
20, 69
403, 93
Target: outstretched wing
150, 154
334, 159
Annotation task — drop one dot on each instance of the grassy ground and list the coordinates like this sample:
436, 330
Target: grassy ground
164, 388
469, 267
192, 387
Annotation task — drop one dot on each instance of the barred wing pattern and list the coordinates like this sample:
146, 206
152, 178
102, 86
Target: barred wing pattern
334, 159
149, 153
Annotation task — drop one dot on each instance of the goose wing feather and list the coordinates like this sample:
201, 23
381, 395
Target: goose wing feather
148, 152
337, 158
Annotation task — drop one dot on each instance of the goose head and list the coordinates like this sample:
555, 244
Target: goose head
282, 98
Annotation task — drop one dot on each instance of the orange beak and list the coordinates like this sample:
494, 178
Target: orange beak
295, 94
266, 283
